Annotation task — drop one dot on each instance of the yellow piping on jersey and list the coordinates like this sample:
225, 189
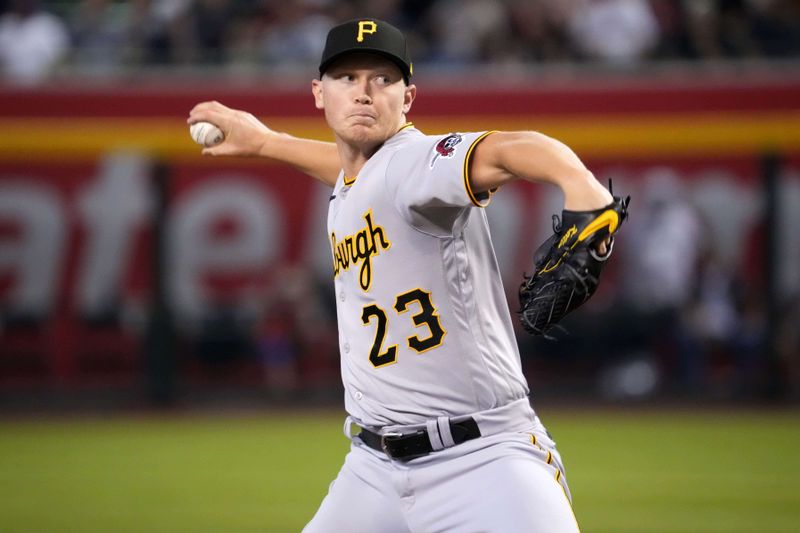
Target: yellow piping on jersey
557, 476
467, 161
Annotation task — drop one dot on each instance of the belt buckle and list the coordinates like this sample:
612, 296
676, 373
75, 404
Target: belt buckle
388, 436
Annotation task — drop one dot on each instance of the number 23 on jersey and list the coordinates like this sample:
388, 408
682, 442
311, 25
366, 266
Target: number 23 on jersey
427, 317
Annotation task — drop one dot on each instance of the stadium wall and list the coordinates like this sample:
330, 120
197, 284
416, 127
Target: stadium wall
77, 202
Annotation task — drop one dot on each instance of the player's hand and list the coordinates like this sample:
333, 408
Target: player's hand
245, 135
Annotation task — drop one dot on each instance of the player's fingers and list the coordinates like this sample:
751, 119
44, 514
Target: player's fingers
219, 150
196, 116
199, 108
209, 104
602, 246
207, 111
202, 114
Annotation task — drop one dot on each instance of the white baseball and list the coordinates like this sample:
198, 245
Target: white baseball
206, 133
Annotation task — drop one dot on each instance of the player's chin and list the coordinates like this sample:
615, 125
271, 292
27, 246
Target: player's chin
364, 134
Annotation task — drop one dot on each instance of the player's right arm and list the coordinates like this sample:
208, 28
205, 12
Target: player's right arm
246, 136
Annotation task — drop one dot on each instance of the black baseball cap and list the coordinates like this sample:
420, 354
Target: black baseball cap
367, 35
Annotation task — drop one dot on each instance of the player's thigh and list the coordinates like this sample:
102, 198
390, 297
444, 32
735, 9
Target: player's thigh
362, 499
521, 494
504, 488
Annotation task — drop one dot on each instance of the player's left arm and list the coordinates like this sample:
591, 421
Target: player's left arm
568, 265
503, 157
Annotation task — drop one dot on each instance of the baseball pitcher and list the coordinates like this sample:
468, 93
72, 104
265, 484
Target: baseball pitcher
444, 438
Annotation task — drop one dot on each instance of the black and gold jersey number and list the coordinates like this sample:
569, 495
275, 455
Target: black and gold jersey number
426, 317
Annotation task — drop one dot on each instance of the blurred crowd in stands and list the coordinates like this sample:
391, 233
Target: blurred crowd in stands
105, 37
688, 312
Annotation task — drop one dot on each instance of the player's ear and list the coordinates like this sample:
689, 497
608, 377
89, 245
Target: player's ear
316, 90
408, 97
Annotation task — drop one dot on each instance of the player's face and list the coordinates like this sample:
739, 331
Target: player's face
364, 98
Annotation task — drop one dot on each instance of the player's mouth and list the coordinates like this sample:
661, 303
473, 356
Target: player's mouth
361, 116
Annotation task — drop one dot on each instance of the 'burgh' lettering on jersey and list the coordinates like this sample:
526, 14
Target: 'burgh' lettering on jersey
360, 246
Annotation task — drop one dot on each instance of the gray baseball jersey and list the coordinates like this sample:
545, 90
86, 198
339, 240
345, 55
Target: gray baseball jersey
424, 327
426, 336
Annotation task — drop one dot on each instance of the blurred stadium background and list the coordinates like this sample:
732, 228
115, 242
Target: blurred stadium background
168, 349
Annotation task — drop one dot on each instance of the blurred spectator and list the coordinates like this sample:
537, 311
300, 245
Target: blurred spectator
388, 10
211, 25
297, 34
296, 335
169, 33
223, 335
671, 17
98, 29
661, 257
465, 32
540, 30
776, 27
789, 342
276, 345
662, 245
620, 32
708, 323
242, 38
137, 27
32, 42
719, 28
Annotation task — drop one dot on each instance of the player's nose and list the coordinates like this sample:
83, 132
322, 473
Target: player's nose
363, 92
364, 99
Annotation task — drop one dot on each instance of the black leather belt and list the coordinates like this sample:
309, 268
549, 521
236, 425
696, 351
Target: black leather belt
410, 445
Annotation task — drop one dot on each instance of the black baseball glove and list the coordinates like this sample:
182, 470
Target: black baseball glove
568, 266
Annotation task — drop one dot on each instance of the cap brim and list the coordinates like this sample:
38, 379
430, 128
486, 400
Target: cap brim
404, 69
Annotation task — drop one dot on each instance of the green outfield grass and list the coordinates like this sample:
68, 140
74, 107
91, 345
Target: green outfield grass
629, 472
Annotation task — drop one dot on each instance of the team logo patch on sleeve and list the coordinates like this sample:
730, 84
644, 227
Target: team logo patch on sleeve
446, 147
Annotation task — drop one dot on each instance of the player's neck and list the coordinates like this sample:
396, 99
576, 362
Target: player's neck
354, 157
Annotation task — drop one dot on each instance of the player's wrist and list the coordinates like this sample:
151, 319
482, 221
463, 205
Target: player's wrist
270, 144
585, 193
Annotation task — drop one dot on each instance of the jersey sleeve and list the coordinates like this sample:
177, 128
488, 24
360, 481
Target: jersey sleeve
429, 180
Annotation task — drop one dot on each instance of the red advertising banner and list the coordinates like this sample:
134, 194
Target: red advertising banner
78, 206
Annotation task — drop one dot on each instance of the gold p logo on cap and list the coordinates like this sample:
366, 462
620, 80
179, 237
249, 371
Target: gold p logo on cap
365, 27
